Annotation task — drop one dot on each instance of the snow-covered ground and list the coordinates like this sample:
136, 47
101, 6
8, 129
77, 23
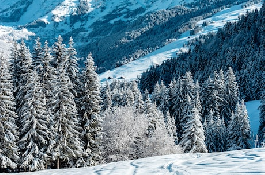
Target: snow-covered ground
135, 68
226, 163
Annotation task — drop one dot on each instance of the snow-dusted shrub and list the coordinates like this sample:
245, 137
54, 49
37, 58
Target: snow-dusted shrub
126, 136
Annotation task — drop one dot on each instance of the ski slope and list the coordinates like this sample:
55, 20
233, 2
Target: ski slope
135, 68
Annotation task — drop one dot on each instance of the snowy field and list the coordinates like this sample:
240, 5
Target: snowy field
135, 68
226, 163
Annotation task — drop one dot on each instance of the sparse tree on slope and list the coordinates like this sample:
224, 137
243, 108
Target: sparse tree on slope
8, 129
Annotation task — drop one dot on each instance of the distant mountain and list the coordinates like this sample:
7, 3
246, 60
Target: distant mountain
115, 31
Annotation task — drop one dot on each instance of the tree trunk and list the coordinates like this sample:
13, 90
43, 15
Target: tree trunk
58, 163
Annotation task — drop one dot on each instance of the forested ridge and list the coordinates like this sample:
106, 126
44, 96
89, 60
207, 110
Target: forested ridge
239, 45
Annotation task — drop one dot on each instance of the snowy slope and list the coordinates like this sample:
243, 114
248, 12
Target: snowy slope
227, 163
57, 10
135, 68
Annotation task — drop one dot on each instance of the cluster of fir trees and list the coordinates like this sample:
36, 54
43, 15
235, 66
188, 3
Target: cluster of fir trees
212, 113
49, 114
239, 45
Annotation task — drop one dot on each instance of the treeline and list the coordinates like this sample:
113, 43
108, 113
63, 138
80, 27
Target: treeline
239, 45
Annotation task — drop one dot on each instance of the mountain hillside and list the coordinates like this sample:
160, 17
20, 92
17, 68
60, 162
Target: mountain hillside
239, 45
116, 32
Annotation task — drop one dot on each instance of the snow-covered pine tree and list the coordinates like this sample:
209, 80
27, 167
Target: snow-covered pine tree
8, 129
59, 53
156, 94
72, 69
209, 131
48, 75
15, 66
213, 96
184, 87
160, 97
238, 135
231, 95
66, 147
171, 94
245, 127
193, 135
138, 99
91, 109
34, 121
219, 134
106, 97
155, 117
145, 95
171, 127
23, 68
37, 57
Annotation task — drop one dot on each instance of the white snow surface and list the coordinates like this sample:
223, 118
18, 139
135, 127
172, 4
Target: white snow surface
226, 163
135, 68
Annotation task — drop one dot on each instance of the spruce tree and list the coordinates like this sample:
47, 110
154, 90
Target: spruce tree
239, 129
91, 109
23, 68
34, 120
8, 129
66, 146
37, 57
59, 53
231, 95
210, 133
193, 135
106, 97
